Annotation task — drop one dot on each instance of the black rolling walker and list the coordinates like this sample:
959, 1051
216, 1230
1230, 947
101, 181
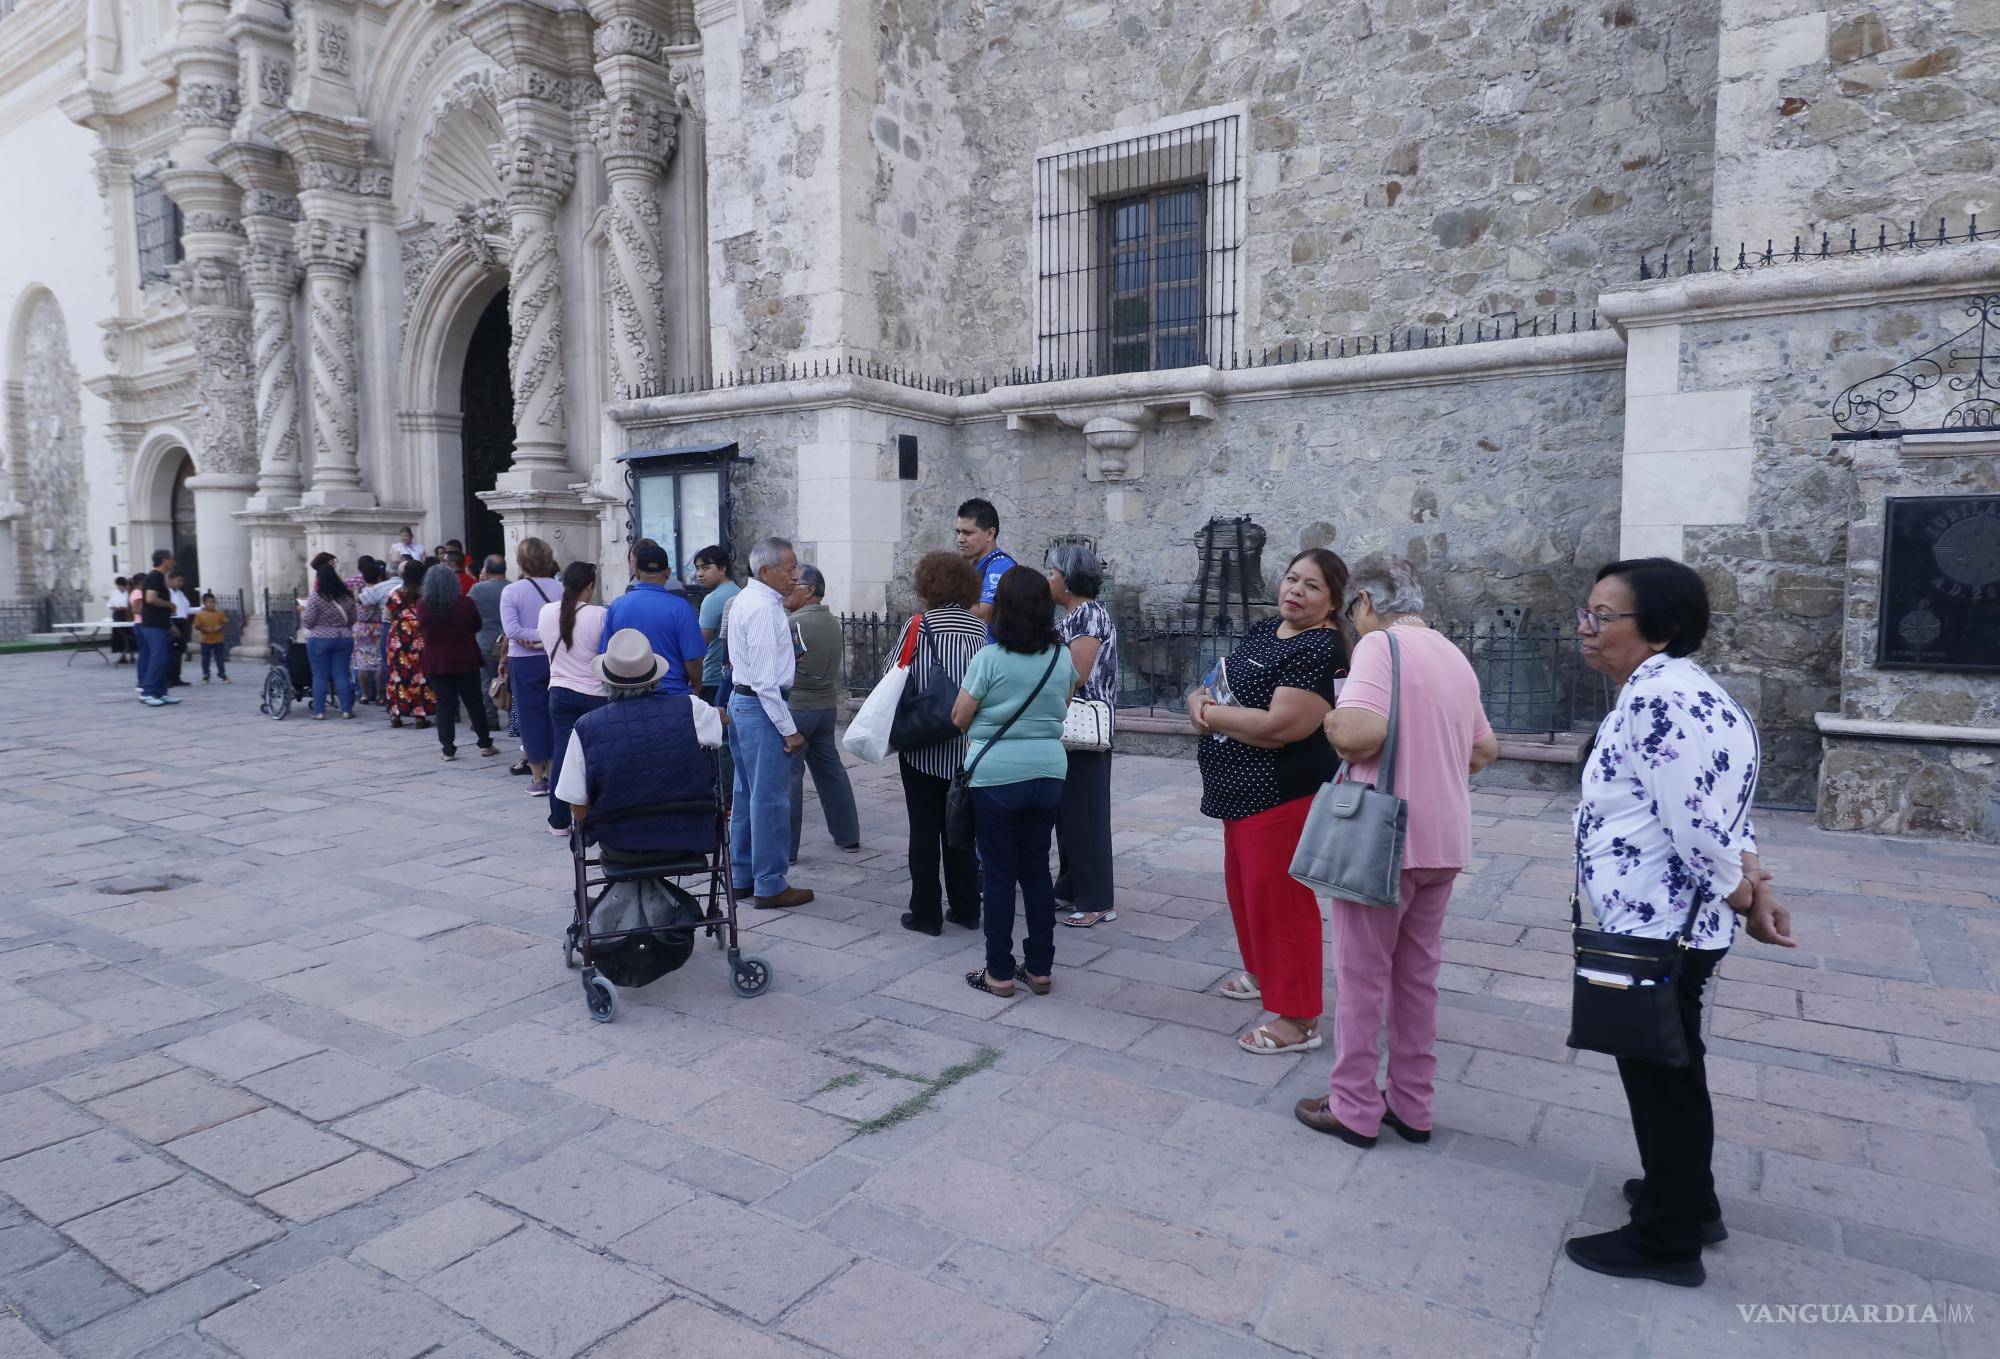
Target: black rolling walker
657, 944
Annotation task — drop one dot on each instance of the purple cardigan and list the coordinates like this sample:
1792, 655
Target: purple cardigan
521, 613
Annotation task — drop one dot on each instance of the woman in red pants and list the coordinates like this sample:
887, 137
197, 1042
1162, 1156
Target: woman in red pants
1264, 757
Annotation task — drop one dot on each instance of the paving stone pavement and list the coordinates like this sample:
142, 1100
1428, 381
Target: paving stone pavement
290, 1066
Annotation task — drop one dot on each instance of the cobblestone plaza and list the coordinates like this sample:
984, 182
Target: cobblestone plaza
290, 1066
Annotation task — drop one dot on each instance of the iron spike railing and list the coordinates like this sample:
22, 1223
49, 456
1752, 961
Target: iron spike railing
1804, 250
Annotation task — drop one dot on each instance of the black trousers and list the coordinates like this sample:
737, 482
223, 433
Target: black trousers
451, 692
924, 795
1674, 1124
1083, 833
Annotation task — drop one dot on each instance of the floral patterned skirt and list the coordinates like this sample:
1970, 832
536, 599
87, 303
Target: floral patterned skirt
409, 693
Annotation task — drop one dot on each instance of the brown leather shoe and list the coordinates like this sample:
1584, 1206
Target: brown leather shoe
791, 896
1316, 1114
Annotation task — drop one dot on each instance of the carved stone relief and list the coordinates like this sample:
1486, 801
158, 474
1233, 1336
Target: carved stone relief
204, 103
52, 399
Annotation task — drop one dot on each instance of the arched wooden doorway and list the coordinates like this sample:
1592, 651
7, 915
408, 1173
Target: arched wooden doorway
182, 536
486, 395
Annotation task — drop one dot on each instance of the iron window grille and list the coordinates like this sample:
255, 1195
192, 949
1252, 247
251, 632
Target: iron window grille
158, 219
1137, 246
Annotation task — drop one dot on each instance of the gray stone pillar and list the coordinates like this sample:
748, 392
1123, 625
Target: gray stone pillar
331, 253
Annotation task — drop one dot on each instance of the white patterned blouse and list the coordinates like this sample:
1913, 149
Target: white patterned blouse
1665, 811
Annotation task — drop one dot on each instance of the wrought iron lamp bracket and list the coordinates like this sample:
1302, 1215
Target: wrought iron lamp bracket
1966, 366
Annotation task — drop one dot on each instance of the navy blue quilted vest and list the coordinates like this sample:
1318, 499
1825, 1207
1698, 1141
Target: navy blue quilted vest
639, 751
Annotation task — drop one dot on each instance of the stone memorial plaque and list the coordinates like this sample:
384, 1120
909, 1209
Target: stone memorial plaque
1940, 583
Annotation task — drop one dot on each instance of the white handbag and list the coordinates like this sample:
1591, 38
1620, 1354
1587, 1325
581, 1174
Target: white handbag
1087, 725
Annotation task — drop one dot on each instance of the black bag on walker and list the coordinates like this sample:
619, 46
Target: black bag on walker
658, 919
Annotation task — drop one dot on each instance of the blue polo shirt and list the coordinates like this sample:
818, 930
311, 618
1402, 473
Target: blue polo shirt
989, 569
668, 622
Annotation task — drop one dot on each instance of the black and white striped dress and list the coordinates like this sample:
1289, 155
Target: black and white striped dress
953, 637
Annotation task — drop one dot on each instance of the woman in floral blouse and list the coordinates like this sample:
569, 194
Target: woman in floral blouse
1663, 828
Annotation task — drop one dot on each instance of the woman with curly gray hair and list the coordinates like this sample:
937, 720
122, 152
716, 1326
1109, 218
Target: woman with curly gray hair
451, 658
1083, 825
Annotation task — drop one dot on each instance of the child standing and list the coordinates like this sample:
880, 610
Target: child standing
209, 625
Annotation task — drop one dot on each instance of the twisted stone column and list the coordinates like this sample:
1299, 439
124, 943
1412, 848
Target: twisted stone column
536, 174
331, 253
273, 272
635, 138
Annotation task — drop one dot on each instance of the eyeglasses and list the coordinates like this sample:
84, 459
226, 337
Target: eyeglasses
1592, 620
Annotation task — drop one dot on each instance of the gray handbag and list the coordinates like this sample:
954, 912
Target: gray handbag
1352, 844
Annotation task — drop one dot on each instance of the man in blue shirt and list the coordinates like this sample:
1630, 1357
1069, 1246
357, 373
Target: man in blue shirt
664, 616
978, 535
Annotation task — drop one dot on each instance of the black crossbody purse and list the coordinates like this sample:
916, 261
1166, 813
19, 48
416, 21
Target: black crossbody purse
1625, 994
923, 715
958, 798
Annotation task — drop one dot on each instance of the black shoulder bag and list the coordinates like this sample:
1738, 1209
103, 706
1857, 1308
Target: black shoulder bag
1625, 996
923, 716
958, 799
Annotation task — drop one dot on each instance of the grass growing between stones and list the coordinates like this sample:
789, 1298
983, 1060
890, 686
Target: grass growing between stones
921, 1101
840, 1083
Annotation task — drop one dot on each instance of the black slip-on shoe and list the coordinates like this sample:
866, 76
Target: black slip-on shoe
1713, 1233
1611, 1253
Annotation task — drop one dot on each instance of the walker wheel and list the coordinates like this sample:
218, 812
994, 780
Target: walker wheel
569, 947
600, 996
752, 976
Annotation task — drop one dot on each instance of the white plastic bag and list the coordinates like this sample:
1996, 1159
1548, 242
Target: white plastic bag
867, 735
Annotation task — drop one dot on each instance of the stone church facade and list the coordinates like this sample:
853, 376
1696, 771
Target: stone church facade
284, 277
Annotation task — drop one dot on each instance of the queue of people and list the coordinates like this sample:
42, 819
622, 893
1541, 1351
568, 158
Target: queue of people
1349, 682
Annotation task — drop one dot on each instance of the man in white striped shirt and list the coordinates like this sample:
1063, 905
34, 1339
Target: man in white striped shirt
762, 735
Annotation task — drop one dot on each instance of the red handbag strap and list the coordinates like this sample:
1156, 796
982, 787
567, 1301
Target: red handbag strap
910, 633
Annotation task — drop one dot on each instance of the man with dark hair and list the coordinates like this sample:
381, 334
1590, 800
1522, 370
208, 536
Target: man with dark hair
178, 642
665, 617
154, 632
711, 573
454, 557
485, 593
978, 535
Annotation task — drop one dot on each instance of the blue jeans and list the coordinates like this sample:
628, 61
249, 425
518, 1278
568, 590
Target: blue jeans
565, 706
1012, 823
153, 646
217, 652
836, 794
332, 661
760, 815
528, 677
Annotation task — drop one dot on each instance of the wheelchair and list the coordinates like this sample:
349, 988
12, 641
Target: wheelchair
288, 676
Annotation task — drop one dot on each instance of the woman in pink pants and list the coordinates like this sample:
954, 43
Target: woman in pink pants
1386, 961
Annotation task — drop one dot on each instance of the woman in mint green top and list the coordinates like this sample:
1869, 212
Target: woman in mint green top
1017, 784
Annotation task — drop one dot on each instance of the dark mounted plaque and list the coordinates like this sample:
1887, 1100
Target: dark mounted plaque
1940, 583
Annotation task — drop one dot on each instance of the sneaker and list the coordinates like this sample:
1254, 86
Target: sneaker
152, 702
204, 679
560, 831
539, 788
168, 698
223, 678
489, 750
447, 754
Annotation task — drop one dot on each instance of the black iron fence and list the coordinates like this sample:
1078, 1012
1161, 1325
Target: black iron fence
21, 619
281, 621
1809, 246
1531, 676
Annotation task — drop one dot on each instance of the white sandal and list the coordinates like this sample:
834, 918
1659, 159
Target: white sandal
1247, 991
1260, 1042
1083, 920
